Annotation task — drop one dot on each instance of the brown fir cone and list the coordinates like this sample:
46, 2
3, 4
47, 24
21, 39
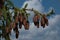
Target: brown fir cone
11, 26
38, 16
37, 24
16, 19
46, 20
43, 22
7, 30
20, 25
16, 27
36, 20
24, 21
20, 18
17, 34
26, 26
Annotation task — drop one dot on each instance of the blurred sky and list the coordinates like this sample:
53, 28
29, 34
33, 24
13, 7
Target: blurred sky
46, 3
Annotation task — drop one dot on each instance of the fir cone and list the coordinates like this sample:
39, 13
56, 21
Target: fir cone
17, 34
46, 20
16, 19
20, 25
16, 27
26, 25
36, 20
37, 24
24, 21
42, 22
20, 18
7, 30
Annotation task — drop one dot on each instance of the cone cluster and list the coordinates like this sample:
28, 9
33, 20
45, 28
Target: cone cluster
20, 18
43, 22
18, 22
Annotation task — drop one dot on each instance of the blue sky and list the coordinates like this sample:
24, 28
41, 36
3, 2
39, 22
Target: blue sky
51, 32
52, 3
18, 3
46, 3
